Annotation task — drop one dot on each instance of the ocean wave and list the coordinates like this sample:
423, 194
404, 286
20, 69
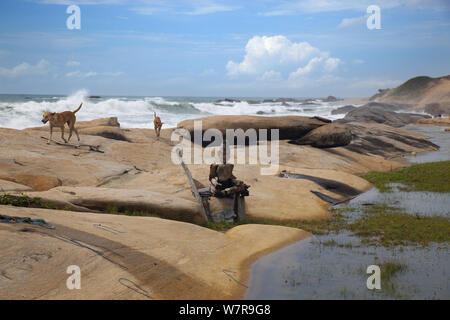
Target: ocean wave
138, 112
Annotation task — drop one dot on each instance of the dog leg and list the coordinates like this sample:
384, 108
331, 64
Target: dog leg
51, 133
76, 132
62, 134
70, 133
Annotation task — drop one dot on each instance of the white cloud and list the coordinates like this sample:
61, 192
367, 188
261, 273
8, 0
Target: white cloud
271, 57
358, 61
90, 74
331, 64
42, 67
212, 8
315, 6
270, 76
349, 22
73, 63
264, 53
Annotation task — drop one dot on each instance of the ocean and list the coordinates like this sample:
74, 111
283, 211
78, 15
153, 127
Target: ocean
22, 111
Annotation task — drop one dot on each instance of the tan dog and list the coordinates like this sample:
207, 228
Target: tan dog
59, 120
158, 125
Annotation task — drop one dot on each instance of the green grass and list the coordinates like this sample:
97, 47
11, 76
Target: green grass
318, 227
389, 270
35, 202
377, 225
24, 201
432, 176
413, 87
387, 226
111, 209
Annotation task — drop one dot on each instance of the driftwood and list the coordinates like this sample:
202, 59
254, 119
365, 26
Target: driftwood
203, 203
91, 147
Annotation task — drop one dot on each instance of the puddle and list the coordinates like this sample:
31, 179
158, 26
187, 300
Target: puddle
334, 266
310, 270
421, 203
437, 136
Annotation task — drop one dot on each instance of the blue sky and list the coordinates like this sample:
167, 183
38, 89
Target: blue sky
220, 48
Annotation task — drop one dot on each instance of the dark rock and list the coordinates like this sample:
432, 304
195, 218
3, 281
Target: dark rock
327, 136
227, 100
330, 99
343, 110
290, 127
323, 119
383, 140
381, 113
286, 100
263, 112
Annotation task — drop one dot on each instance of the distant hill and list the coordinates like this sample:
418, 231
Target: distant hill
421, 92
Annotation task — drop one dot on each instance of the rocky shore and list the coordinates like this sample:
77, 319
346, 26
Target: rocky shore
169, 254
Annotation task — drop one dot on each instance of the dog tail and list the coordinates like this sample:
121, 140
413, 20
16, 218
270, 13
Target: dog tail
154, 112
78, 108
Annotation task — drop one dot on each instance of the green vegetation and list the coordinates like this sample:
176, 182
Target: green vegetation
318, 227
376, 225
413, 87
35, 202
389, 270
431, 176
111, 209
388, 226
24, 201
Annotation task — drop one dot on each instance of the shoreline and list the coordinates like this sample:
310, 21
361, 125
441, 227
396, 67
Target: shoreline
135, 174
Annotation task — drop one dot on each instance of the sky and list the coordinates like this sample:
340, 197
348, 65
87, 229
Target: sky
227, 48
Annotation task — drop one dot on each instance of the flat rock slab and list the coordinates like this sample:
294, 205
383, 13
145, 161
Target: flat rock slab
124, 257
102, 199
6, 186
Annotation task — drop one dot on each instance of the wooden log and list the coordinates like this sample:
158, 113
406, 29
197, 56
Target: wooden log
203, 203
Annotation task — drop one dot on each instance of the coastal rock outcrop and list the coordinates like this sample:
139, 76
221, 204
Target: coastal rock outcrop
119, 253
386, 141
104, 127
290, 127
381, 113
327, 136
343, 110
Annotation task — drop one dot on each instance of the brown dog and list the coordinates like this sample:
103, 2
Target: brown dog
158, 125
59, 120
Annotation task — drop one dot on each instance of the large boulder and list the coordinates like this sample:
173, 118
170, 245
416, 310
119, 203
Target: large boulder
382, 113
109, 132
330, 99
327, 136
343, 110
386, 141
290, 127
104, 127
